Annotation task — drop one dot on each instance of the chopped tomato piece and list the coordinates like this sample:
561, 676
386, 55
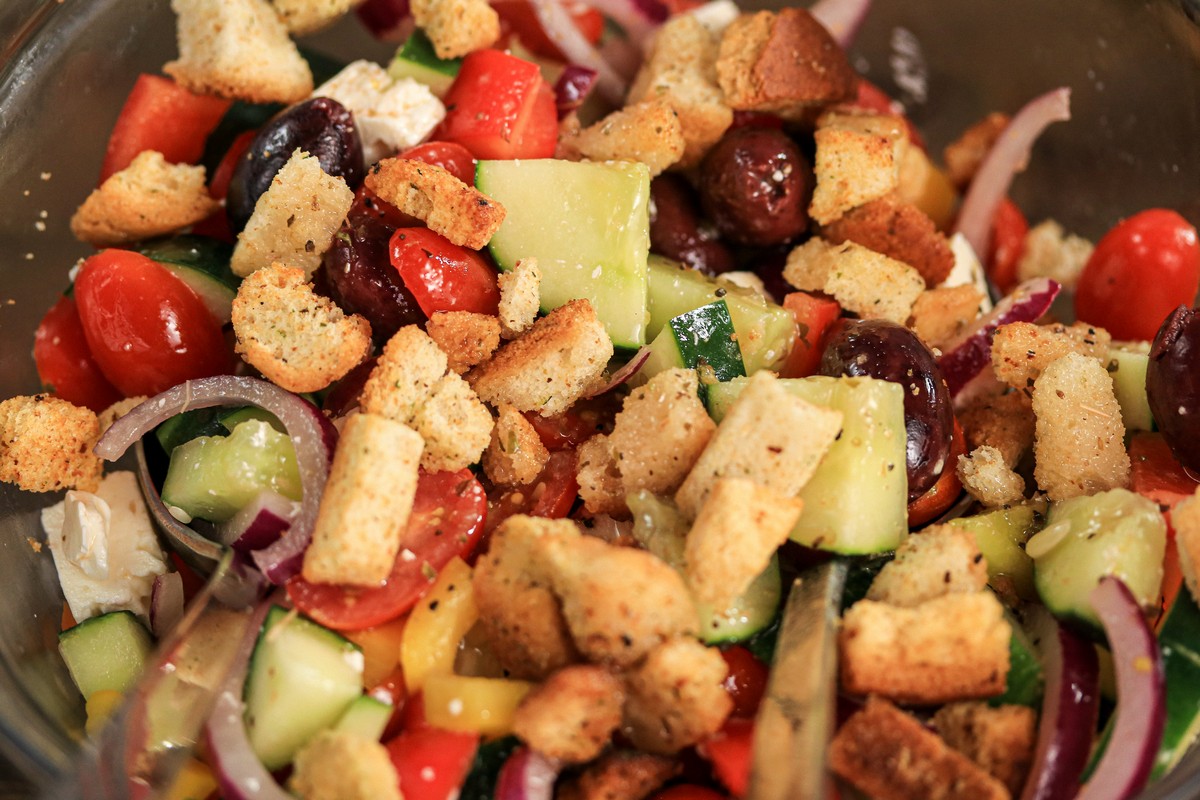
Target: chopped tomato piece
813, 315
550, 495
518, 16
746, 682
947, 489
729, 751
450, 156
65, 365
563, 431
443, 276
431, 763
872, 98
1007, 246
1156, 473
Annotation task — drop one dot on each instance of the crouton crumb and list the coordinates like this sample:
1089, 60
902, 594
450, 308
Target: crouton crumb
649, 132
675, 697
939, 561
619, 775
457, 27
404, 375
599, 478
456, 426
853, 165
467, 339
46, 444
1004, 421
988, 479
572, 715
999, 740
1021, 350
309, 16
520, 298
963, 156
900, 231
339, 765
516, 454
451, 208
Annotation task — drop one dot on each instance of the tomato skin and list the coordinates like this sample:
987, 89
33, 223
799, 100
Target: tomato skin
729, 751
519, 17
947, 489
450, 156
813, 315
1143, 269
1007, 246
564, 431
65, 365
443, 276
447, 521
550, 495
146, 329
1155, 473
431, 763
746, 682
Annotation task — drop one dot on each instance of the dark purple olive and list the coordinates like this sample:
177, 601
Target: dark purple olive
880, 349
755, 184
676, 231
1173, 385
320, 127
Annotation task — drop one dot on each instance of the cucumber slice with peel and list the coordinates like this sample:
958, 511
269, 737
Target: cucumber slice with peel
107, 652
201, 263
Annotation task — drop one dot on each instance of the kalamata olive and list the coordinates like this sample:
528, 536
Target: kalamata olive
755, 184
880, 349
320, 127
676, 231
1173, 384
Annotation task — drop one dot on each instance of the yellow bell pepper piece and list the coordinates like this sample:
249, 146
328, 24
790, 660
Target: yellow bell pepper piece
99, 707
195, 781
436, 626
380, 648
479, 705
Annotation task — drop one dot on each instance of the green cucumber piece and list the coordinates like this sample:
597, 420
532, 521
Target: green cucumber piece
1023, 684
1086, 538
230, 418
302, 679
489, 758
1179, 639
658, 526
1128, 373
201, 263
1001, 536
416, 59
366, 717
702, 339
213, 477
588, 226
107, 652
189, 425
860, 573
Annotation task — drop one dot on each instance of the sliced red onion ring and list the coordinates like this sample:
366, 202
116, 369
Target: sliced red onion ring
1008, 156
622, 375
1141, 710
842, 18
558, 24
166, 603
259, 523
638, 18
527, 775
313, 438
1069, 710
572, 88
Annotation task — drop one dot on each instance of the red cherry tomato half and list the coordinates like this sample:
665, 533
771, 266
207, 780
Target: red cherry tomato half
1009, 228
813, 315
64, 363
729, 751
550, 495
1141, 271
431, 763
443, 276
447, 521
564, 431
146, 329
450, 156
746, 682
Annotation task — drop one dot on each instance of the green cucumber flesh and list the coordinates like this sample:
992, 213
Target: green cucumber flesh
1001, 536
202, 264
658, 526
702, 339
749, 613
416, 59
366, 716
189, 425
1128, 373
1179, 639
107, 652
302, 678
588, 226
1023, 684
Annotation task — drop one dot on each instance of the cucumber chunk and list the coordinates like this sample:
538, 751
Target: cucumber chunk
107, 652
1023, 684
701, 339
302, 679
1179, 639
1128, 373
201, 263
416, 59
588, 226
366, 717
1001, 536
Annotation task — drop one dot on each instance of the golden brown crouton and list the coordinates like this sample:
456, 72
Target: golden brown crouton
675, 697
554, 364
963, 155
739, 528
457, 27
1051, 252
865, 282
518, 613
405, 374
520, 298
1003, 421
940, 315
769, 436
1021, 350
599, 478
1079, 438
238, 49
339, 765
298, 339
660, 432
619, 775
855, 163
466, 338
148, 198
953, 647
451, 208
366, 504
649, 132
890, 755
516, 454
294, 220
572, 715
456, 426
899, 231
785, 62
988, 479
1000, 740
46, 444
619, 602
938, 561
1185, 520
925, 186
309, 16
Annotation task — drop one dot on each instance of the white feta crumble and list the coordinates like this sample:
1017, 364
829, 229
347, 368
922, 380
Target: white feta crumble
716, 15
967, 270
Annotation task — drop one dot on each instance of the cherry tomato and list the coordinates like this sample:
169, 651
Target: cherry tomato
947, 489
431, 763
1007, 246
450, 156
813, 315
1141, 271
746, 682
64, 363
872, 98
564, 431
729, 751
146, 329
369, 208
443, 276
447, 521
1156, 473
689, 792
519, 17
550, 495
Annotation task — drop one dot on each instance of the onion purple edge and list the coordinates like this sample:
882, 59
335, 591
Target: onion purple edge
527, 775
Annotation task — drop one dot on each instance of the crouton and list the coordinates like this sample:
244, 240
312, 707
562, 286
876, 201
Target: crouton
404, 375
1003, 421
785, 62
953, 647
148, 198
366, 504
554, 364
46, 444
899, 231
294, 220
988, 479
738, 529
238, 49
117, 410
890, 755
619, 775
599, 478
457, 27
1051, 252
296, 338
660, 432
855, 163
999, 740
1185, 520
769, 436
649, 132
1021, 350
518, 614
309, 16
456, 426
940, 315
680, 67
340, 765
619, 602
572, 715
466, 338
520, 298
516, 454
676, 696
963, 156
451, 208
865, 282
923, 185
1079, 438
938, 561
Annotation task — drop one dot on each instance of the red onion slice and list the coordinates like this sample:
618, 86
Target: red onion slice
166, 603
638, 18
556, 21
572, 88
1141, 709
259, 523
622, 375
1008, 156
527, 775
842, 18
